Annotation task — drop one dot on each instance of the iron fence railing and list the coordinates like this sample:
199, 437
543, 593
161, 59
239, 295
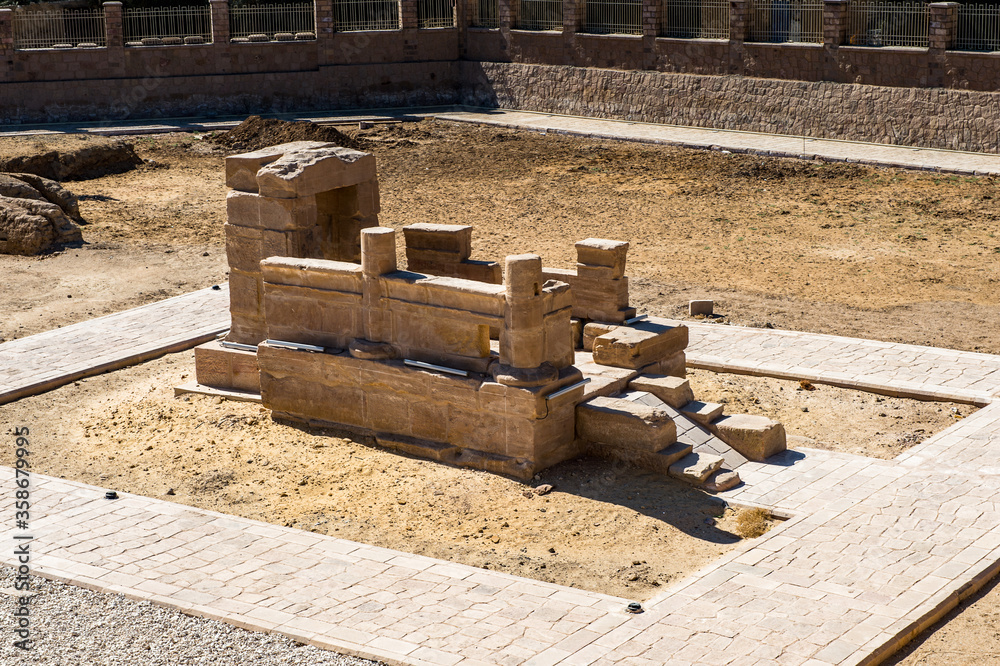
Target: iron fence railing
977, 28
191, 25
265, 23
780, 21
435, 14
485, 14
59, 29
540, 15
696, 19
613, 17
888, 24
357, 15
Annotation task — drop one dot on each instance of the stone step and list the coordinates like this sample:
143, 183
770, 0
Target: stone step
695, 468
756, 437
622, 423
702, 412
722, 479
673, 391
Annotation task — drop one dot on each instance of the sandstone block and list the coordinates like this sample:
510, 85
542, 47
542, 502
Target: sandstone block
600, 252
674, 391
640, 345
241, 170
309, 172
695, 468
593, 330
626, 424
722, 480
704, 307
674, 366
450, 238
702, 412
221, 367
756, 437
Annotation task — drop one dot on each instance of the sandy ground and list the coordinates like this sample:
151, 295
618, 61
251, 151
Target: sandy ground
841, 249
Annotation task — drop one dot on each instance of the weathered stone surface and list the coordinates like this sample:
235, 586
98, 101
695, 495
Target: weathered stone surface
600, 252
594, 329
453, 238
702, 412
35, 213
640, 345
674, 366
627, 424
722, 480
695, 468
674, 391
241, 170
222, 367
756, 437
306, 172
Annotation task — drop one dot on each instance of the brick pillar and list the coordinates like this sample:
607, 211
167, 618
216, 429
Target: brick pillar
943, 17
652, 26
408, 14
739, 27
574, 16
6, 38
834, 22
324, 31
509, 14
220, 22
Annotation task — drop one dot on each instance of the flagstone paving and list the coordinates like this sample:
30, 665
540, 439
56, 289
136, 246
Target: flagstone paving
872, 551
42, 362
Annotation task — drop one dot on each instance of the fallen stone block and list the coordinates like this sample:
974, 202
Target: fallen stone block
756, 437
674, 391
639, 345
695, 468
241, 170
703, 307
626, 424
722, 480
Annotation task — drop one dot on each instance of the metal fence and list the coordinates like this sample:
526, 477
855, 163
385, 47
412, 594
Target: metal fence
355, 15
264, 23
779, 21
486, 14
696, 19
613, 17
540, 15
59, 29
978, 28
888, 24
192, 25
435, 14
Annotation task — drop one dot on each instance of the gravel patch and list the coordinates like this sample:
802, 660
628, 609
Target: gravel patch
71, 625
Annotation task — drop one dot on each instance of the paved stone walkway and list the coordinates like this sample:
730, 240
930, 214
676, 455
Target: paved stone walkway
42, 362
949, 161
873, 551
880, 367
768, 144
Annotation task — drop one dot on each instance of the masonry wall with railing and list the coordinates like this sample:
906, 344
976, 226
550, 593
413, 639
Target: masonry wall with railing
378, 53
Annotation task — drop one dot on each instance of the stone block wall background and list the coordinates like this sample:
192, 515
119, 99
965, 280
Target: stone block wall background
932, 97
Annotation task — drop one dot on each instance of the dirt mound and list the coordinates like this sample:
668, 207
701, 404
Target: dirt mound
35, 213
67, 156
255, 133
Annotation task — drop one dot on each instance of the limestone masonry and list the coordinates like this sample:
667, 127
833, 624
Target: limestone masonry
508, 368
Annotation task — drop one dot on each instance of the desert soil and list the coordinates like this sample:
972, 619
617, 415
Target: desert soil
831, 248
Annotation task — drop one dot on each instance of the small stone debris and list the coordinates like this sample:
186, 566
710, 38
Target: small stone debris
543, 489
805, 385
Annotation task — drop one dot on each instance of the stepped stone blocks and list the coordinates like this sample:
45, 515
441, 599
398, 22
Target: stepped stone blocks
641, 344
674, 391
756, 437
600, 288
445, 249
696, 468
622, 423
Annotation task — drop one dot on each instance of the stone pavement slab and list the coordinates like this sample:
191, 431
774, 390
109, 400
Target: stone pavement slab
908, 371
42, 362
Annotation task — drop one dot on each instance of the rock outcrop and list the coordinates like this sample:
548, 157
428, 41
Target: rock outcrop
36, 213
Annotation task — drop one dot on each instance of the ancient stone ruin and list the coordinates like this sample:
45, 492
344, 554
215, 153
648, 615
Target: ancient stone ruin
509, 368
35, 214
